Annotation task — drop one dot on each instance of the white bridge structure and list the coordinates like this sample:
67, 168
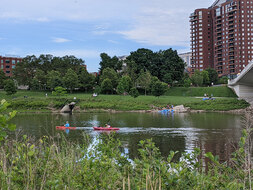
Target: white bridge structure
243, 84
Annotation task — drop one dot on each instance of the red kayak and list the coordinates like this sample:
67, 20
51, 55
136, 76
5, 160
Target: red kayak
63, 127
105, 129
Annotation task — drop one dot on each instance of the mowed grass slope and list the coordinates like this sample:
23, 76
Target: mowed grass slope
220, 91
35, 100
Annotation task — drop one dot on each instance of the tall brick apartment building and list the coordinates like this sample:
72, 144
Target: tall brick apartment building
8, 63
222, 37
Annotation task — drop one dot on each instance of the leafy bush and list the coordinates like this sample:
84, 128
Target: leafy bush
59, 91
4, 119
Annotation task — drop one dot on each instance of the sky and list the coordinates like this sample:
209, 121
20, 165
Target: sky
87, 28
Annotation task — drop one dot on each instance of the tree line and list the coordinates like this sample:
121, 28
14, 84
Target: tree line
145, 72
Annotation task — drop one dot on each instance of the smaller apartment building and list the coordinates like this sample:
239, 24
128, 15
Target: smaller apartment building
8, 63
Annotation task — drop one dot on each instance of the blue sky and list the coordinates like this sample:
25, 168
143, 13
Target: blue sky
86, 28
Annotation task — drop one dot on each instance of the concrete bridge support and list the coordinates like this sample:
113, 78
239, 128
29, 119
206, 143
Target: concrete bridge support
243, 84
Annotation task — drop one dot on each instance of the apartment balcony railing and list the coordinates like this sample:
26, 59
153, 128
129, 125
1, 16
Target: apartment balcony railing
232, 71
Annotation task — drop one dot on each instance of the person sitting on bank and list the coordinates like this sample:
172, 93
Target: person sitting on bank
67, 124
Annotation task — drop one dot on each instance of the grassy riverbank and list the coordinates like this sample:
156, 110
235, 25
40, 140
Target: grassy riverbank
38, 102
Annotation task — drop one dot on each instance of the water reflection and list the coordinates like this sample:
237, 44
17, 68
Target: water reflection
212, 132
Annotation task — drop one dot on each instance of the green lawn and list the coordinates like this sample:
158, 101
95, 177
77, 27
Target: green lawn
38, 101
220, 91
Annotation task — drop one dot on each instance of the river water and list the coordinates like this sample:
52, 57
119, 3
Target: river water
211, 132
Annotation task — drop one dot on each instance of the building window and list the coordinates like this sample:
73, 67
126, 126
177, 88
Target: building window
7, 61
13, 62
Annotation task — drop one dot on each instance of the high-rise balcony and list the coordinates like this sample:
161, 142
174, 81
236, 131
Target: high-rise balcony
218, 26
232, 71
232, 9
193, 19
231, 44
230, 17
193, 14
231, 27
220, 68
231, 49
219, 38
230, 22
231, 62
231, 31
218, 30
231, 57
231, 66
218, 47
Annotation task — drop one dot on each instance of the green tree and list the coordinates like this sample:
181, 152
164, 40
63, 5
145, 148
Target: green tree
187, 82
87, 81
35, 85
108, 62
213, 75
109, 73
124, 85
2, 78
59, 91
171, 64
106, 86
134, 92
141, 60
205, 76
54, 79
197, 78
71, 80
25, 71
144, 80
166, 65
223, 80
41, 77
4, 120
10, 87
168, 78
159, 88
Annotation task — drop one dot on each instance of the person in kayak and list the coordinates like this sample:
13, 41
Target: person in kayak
67, 124
107, 126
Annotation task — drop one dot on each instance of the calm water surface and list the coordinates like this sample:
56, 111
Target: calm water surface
212, 132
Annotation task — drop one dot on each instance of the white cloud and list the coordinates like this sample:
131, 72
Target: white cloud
82, 53
163, 23
66, 9
60, 40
